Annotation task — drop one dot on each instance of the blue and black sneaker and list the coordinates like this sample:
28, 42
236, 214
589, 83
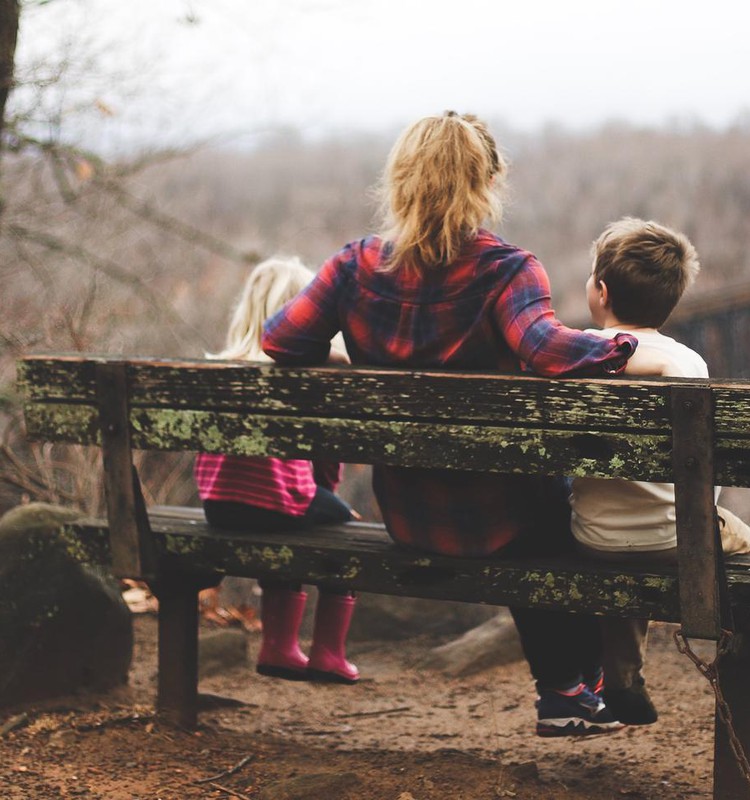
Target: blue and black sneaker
595, 681
573, 712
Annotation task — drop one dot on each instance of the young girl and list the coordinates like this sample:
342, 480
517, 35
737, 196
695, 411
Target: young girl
438, 290
272, 494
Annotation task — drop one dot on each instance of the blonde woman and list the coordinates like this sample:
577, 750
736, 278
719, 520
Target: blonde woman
272, 494
436, 289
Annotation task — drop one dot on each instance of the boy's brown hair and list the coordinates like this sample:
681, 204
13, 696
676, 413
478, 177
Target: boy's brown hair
646, 268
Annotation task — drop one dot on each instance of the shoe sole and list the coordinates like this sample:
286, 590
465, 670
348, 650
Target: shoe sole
575, 727
285, 673
319, 676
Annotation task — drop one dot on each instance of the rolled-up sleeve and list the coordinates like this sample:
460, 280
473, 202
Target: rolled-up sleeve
301, 332
527, 322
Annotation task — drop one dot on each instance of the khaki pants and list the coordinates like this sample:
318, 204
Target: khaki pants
624, 640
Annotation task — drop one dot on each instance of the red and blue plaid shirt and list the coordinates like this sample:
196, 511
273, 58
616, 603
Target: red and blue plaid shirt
488, 310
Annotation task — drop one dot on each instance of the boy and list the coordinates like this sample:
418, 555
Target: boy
640, 271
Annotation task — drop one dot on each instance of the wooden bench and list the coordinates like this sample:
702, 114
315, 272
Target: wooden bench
693, 433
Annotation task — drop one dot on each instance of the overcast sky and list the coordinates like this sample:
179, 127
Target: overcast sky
182, 68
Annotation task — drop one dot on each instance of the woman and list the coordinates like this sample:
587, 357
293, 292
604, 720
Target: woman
438, 290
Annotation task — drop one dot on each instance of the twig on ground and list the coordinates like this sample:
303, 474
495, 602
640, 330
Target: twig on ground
124, 719
236, 768
374, 713
231, 792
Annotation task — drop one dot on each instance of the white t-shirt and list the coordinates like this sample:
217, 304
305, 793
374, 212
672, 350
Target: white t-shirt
620, 515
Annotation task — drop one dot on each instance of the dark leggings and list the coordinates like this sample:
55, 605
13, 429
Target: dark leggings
325, 508
561, 648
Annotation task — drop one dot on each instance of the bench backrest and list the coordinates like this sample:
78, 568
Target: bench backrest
691, 432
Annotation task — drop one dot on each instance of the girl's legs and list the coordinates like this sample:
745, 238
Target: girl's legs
334, 611
328, 662
282, 605
326, 507
230, 516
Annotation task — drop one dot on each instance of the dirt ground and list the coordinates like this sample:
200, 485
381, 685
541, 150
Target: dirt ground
403, 733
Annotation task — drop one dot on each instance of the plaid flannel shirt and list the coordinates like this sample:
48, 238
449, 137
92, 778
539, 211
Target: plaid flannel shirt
489, 310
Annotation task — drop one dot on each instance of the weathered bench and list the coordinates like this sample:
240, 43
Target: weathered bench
693, 433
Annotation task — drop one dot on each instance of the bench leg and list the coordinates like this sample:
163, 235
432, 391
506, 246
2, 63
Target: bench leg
177, 698
734, 680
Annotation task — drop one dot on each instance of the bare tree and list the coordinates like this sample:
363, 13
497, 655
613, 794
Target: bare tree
9, 14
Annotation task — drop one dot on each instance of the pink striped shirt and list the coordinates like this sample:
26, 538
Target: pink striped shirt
286, 486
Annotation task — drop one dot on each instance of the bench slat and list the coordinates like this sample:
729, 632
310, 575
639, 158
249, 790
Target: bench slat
360, 556
606, 404
635, 455
411, 444
361, 393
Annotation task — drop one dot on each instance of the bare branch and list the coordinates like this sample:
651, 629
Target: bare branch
149, 212
110, 179
105, 266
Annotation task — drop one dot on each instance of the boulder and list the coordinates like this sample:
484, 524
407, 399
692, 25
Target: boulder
63, 625
491, 644
385, 618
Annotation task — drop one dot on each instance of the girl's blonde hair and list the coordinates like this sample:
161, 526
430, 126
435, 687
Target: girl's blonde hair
271, 285
442, 180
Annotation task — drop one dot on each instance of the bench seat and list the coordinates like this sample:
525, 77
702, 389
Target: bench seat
361, 556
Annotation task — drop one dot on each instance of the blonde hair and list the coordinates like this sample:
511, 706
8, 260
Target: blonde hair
271, 285
441, 182
646, 267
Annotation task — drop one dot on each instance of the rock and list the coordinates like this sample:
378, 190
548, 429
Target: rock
63, 739
491, 644
221, 650
525, 771
330, 785
63, 626
380, 617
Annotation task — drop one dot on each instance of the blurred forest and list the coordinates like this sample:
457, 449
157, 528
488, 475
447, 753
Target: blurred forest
145, 254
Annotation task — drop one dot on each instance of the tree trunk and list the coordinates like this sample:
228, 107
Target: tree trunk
9, 12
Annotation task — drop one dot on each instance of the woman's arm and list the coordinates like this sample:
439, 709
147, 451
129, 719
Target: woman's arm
528, 324
301, 332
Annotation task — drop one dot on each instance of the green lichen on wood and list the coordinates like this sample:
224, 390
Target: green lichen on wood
180, 545
351, 569
61, 422
622, 599
277, 557
663, 584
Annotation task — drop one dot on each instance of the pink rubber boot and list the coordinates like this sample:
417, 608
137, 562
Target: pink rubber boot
328, 654
281, 610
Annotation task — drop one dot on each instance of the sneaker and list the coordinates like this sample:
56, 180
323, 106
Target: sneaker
633, 705
576, 712
595, 682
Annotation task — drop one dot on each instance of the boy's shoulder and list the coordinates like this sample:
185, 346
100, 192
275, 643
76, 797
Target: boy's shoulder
684, 362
